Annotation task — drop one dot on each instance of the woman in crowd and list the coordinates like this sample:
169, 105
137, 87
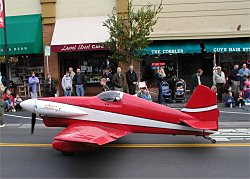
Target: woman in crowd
50, 89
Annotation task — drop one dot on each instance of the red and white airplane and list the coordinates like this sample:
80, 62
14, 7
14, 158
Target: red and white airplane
98, 120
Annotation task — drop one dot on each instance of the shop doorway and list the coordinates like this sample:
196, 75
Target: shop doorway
189, 63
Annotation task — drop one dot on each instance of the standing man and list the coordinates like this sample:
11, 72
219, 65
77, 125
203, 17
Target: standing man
118, 80
33, 85
50, 87
244, 72
1, 105
79, 82
219, 81
131, 80
67, 84
196, 78
235, 80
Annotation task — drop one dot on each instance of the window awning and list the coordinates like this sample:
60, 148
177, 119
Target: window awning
24, 35
79, 34
228, 45
173, 47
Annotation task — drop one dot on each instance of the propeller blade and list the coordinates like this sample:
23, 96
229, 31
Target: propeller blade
33, 122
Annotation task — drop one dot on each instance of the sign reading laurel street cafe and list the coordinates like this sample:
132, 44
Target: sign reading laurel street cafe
77, 47
2, 14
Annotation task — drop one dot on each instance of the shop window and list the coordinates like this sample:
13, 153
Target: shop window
91, 63
151, 62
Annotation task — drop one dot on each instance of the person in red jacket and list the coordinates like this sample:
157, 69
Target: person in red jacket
8, 101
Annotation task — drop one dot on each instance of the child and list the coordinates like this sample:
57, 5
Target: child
214, 88
240, 101
229, 101
144, 94
17, 102
8, 101
180, 90
103, 82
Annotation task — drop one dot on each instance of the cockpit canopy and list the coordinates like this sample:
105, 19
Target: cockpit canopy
111, 96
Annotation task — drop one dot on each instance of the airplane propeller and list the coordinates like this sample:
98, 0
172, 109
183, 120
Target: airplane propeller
33, 122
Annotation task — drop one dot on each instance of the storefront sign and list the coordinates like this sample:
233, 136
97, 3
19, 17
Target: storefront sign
158, 64
15, 49
77, 47
2, 16
236, 49
166, 51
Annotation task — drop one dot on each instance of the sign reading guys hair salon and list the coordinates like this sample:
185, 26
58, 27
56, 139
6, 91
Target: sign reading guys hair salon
235, 49
77, 47
2, 16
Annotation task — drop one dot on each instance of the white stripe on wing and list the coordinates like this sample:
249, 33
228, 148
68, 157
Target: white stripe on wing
199, 109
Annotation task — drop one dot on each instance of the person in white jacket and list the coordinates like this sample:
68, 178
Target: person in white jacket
67, 84
220, 81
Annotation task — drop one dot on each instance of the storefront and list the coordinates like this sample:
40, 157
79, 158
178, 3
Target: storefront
77, 42
183, 57
24, 37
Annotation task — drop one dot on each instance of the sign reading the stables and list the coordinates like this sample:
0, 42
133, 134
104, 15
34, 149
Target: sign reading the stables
77, 47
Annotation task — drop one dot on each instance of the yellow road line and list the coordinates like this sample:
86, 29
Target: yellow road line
23, 145
177, 145
139, 145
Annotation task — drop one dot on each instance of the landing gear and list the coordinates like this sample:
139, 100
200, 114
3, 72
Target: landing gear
209, 138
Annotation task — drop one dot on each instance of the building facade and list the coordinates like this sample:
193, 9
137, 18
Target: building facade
189, 32
24, 44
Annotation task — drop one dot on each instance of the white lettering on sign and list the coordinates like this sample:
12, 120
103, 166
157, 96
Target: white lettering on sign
84, 47
234, 49
156, 51
97, 46
15, 49
173, 51
79, 47
68, 48
169, 51
246, 49
220, 49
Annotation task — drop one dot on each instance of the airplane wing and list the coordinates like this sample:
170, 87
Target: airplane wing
94, 134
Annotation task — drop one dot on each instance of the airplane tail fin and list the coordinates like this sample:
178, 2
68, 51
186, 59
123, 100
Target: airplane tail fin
203, 107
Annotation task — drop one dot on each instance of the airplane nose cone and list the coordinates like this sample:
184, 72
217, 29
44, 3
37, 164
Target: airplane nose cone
29, 105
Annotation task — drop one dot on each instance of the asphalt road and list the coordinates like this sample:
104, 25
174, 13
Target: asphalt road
133, 156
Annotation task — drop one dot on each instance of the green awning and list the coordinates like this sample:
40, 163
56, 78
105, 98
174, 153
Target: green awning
173, 47
228, 45
24, 35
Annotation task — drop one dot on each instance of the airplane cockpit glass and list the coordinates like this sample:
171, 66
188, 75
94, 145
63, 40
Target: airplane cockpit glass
112, 96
